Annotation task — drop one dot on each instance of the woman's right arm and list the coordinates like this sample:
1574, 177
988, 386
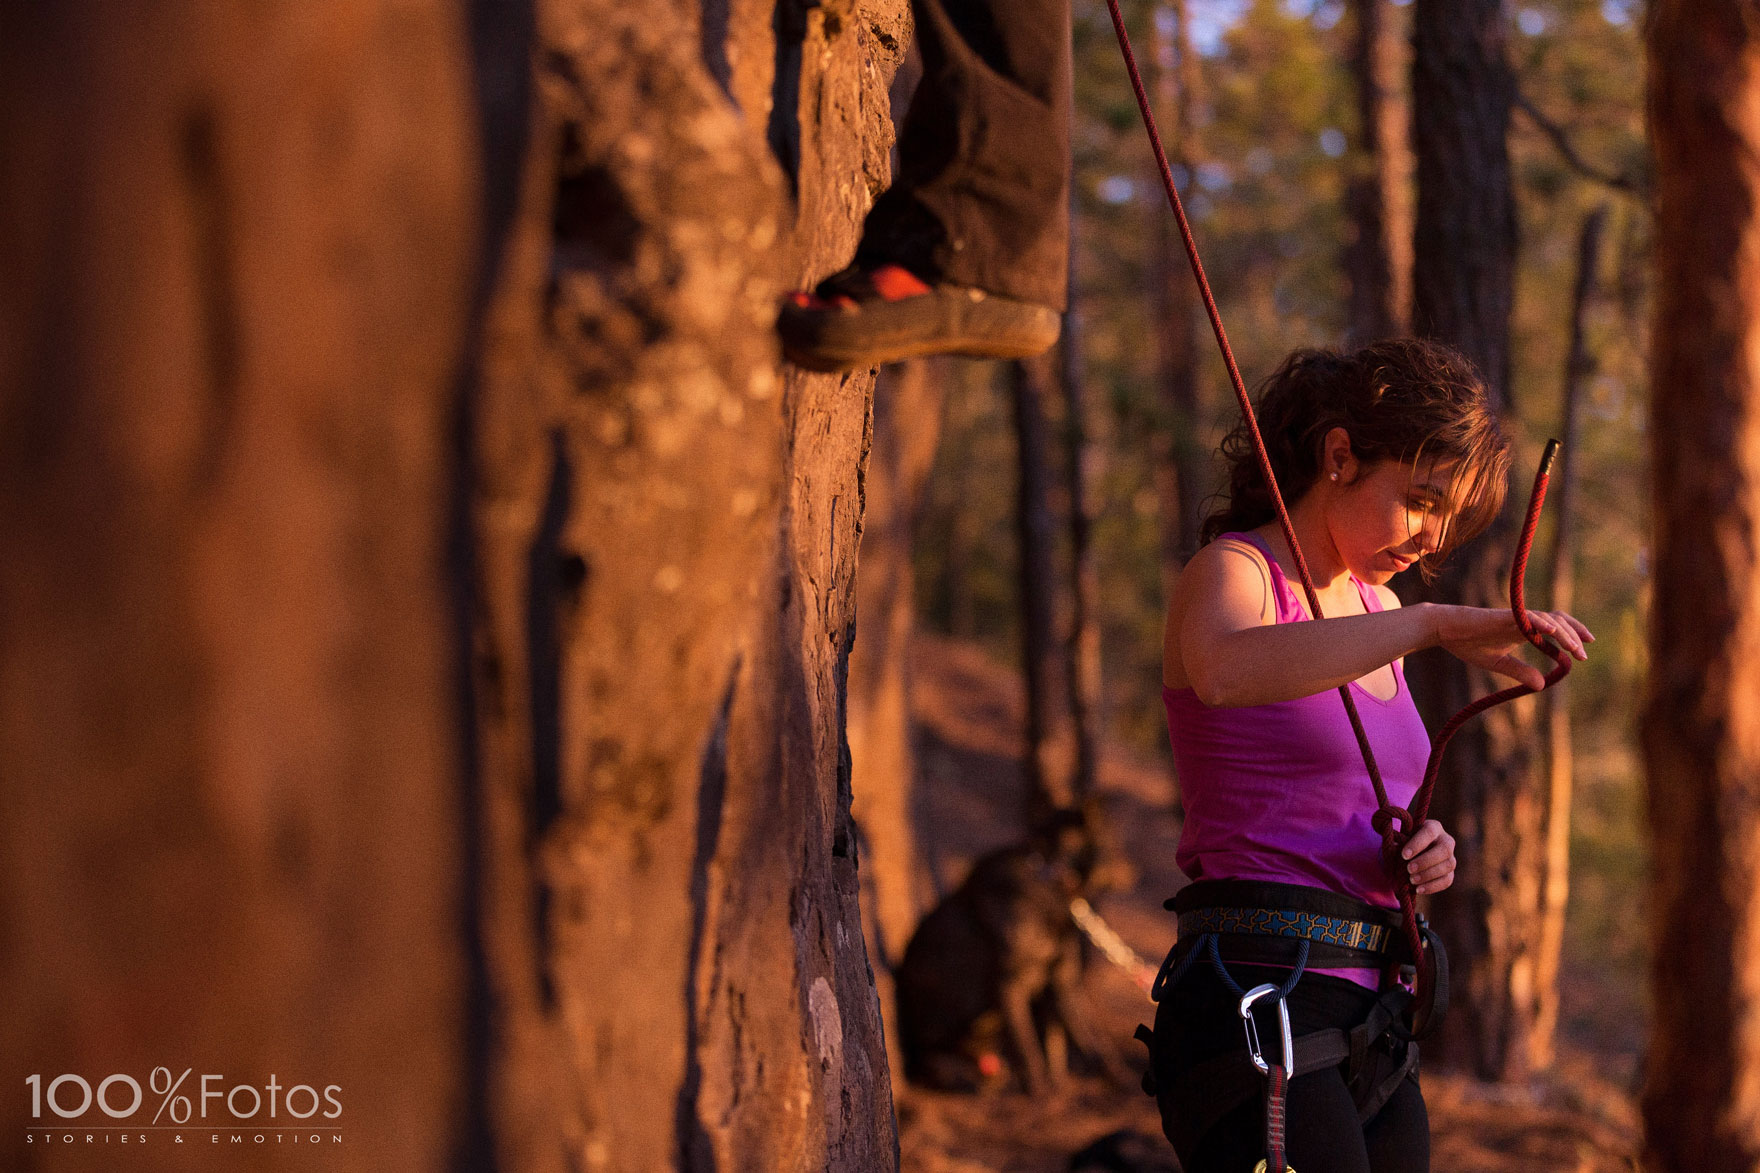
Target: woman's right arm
1234, 653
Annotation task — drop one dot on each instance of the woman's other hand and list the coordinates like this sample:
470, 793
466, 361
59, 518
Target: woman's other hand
1429, 856
1488, 638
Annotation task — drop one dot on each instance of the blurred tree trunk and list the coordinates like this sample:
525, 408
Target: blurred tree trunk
907, 416
1082, 649
1051, 748
962, 601
1698, 725
1555, 706
883, 766
1178, 452
1379, 256
230, 758
1464, 246
1489, 792
965, 477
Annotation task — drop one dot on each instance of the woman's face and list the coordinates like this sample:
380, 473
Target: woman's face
1385, 514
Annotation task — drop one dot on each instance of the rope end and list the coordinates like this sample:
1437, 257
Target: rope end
1547, 457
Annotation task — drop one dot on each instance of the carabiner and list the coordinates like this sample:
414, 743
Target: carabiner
1253, 1049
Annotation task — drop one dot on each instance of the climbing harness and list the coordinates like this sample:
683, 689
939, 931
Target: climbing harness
1393, 823
1295, 927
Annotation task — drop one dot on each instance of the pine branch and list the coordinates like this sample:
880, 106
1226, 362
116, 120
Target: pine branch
1561, 142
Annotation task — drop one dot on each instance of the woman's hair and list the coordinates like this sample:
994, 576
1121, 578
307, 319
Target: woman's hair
1404, 399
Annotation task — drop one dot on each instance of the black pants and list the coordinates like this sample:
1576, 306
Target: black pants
982, 192
1199, 1020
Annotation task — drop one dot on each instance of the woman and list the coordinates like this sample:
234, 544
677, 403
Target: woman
1388, 458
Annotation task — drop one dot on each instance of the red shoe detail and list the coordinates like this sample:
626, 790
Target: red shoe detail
807, 300
895, 283
887, 283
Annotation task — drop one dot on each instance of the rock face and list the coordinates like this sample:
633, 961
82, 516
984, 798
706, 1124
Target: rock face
427, 598
666, 523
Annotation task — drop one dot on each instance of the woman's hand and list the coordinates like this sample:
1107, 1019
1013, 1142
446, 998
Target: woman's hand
1429, 856
1489, 638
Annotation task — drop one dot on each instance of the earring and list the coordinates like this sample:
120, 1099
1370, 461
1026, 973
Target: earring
1335, 476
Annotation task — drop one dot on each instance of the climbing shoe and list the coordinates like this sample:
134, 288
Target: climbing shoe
862, 318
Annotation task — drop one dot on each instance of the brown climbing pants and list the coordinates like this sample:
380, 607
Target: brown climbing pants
982, 192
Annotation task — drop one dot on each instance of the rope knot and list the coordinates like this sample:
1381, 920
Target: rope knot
1395, 825
1383, 821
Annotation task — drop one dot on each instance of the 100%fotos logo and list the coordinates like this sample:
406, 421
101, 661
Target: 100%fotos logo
119, 1097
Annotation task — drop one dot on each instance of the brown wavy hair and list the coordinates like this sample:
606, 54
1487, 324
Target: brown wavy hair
1403, 399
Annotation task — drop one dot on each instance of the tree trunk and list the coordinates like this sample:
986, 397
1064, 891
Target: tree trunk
896, 887
1179, 456
907, 417
1555, 706
1488, 795
1082, 649
970, 388
1379, 256
1701, 755
667, 532
1465, 237
1050, 749
229, 736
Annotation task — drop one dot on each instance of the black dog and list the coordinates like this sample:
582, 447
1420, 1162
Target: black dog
996, 965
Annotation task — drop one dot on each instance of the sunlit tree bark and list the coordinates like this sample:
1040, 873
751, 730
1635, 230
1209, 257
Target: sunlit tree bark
667, 525
1702, 713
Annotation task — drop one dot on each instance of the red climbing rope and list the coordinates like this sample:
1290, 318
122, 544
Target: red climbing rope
1392, 822
1518, 604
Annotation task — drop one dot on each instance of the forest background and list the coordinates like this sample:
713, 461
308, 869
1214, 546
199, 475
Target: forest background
1273, 146
1261, 106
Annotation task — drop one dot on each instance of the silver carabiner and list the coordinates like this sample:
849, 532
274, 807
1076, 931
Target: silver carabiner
1253, 1049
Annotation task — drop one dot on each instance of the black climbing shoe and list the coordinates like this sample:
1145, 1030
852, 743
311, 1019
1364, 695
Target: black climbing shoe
862, 318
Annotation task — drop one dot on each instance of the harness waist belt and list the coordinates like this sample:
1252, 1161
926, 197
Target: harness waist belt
1342, 930
1268, 922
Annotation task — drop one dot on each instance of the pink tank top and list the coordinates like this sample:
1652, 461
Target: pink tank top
1279, 792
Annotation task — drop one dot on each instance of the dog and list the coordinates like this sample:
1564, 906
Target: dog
996, 966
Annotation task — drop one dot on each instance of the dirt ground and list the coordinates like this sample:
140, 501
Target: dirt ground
968, 712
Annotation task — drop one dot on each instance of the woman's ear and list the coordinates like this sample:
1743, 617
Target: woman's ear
1337, 462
